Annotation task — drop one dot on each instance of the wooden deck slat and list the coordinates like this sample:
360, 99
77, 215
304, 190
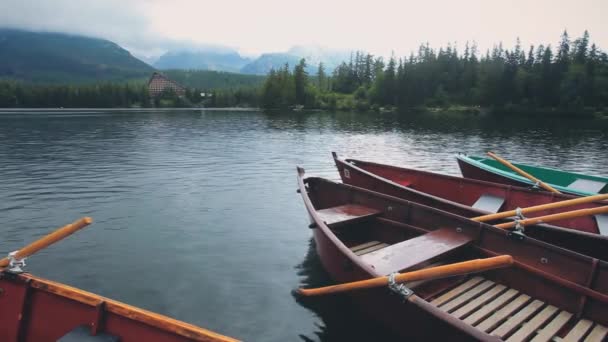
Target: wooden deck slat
364, 245
487, 310
456, 291
371, 249
509, 325
553, 328
504, 312
479, 301
579, 330
500, 315
598, 334
531, 326
465, 297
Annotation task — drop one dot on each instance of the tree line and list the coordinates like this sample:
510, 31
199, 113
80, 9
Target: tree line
570, 78
573, 77
15, 94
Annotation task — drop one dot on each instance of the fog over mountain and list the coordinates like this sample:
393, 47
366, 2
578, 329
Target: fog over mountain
226, 59
150, 28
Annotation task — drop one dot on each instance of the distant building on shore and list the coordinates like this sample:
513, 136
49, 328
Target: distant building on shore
159, 83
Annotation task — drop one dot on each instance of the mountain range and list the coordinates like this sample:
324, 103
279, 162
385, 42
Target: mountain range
44, 57
228, 59
47, 57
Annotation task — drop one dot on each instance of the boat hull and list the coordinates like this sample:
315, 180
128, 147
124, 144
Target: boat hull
541, 271
585, 239
473, 172
39, 310
565, 182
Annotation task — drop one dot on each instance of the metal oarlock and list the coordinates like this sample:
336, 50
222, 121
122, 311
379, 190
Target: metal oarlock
15, 264
399, 289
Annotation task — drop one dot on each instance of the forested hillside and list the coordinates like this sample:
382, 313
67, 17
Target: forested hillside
42, 57
572, 77
207, 79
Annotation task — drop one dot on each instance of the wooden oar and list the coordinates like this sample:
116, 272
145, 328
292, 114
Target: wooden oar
465, 267
555, 205
49, 239
556, 217
523, 173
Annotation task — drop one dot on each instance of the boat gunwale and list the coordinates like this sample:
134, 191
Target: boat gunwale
130, 312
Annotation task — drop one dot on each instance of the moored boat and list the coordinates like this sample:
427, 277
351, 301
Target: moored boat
40, 310
549, 292
473, 198
490, 170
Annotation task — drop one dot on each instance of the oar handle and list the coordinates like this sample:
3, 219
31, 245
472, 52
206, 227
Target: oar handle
523, 173
49, 239
554, 205
555, 217
460, 268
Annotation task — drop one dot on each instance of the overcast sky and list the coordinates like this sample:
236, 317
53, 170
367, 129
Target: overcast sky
149, 27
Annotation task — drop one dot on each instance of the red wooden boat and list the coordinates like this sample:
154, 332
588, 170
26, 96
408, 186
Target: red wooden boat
39, 310
548, 293
472, 198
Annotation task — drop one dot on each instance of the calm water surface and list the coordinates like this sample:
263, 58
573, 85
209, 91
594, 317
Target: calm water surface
196, 214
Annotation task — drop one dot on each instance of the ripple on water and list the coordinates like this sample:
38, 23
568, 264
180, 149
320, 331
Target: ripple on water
199, 211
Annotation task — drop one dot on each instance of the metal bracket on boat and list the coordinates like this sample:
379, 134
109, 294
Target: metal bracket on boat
519, 213
15, 265
536, 186
518, 232
399, 289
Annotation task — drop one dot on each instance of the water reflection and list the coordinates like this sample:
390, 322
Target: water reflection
341, 320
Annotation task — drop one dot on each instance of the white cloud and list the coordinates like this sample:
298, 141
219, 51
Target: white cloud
149, 27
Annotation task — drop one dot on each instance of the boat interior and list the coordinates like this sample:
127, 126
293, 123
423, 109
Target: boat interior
571, 180
550, 294
486, 197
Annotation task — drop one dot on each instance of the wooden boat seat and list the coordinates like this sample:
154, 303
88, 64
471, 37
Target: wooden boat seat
587, 185
347, 213
602, 223
368, 247
513, 316
489, 203
413, 252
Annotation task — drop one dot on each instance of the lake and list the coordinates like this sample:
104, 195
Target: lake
196, 214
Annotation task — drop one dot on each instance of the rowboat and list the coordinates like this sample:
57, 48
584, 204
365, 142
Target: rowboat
547, 293
566, 182
473, 198
39, 310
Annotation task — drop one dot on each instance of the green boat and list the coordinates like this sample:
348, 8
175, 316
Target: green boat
490, 170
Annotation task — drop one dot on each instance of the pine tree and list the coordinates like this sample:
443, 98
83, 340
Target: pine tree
301, 81
321, 78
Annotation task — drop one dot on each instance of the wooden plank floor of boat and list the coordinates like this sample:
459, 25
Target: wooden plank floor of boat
513, 316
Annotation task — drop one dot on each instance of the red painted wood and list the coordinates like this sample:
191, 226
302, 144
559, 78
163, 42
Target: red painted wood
550, 274
48, 315
456, 195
